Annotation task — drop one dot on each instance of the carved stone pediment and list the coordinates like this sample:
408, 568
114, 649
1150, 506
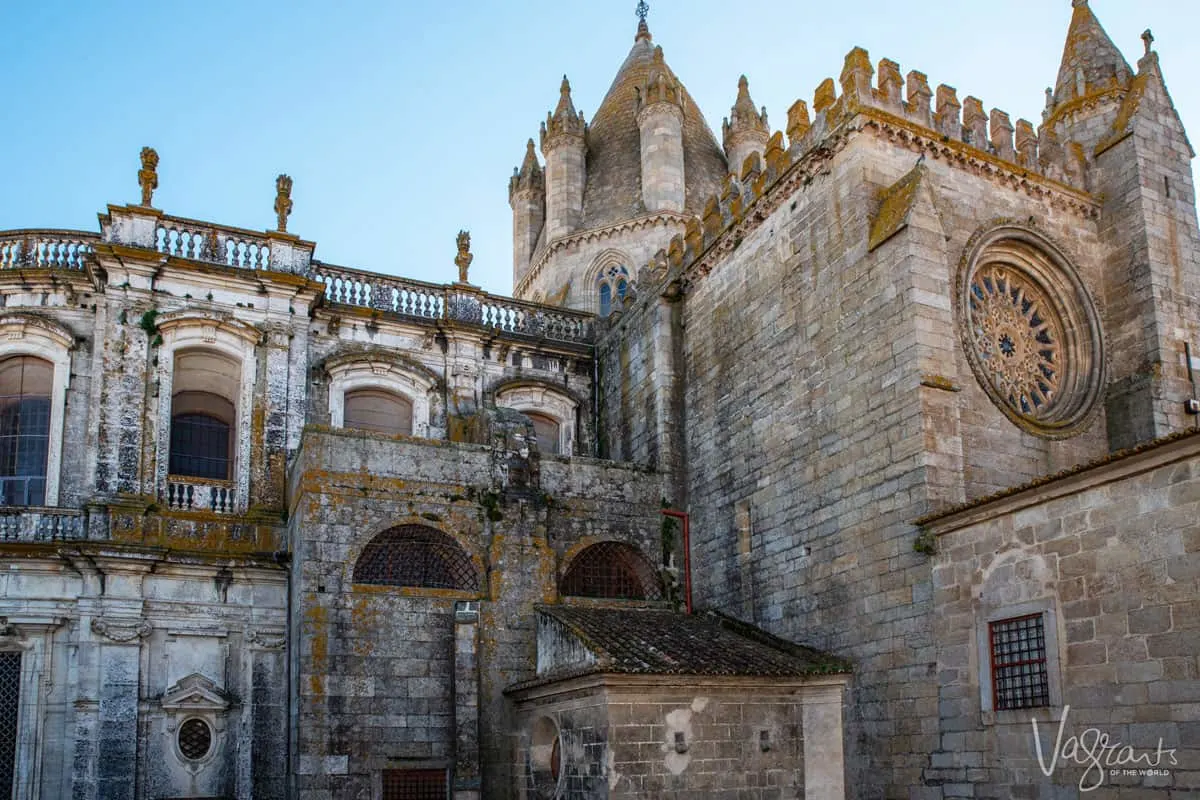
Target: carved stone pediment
194, 693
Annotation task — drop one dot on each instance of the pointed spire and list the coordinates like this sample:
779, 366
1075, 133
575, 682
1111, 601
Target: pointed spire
744, 116
565, 119
1091, 62
529, 176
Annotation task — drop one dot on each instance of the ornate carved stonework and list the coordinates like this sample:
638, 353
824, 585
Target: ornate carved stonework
267, 640
148, 175
283, 201
122, 630
1030, 331
464, 258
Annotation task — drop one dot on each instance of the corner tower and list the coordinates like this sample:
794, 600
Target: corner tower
644, 166
1119, 128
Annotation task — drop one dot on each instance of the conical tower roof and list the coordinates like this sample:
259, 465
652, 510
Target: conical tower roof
614, 156
1090, 53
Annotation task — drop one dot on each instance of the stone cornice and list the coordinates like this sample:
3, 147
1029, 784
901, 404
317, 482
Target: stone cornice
1117, 466
637, 223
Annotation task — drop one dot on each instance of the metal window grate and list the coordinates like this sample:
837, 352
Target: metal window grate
611, 570
195, 739
1018, 651
414, 784
10, 701
199, 447
413, 555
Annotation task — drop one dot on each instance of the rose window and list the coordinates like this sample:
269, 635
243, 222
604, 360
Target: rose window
1031, 332
1018, 337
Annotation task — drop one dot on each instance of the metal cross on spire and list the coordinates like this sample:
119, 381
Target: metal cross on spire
643, 8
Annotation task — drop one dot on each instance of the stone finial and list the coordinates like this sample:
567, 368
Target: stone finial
148, 174
661, 85
283, 201
890, 82
745, 122
643, 30
464, 258
565, 120
1148, 39
857, 73
529, 175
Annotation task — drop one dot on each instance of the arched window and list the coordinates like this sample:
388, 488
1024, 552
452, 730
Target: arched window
203, 415
417, 556
612, 285
611, 570
377, 410
25, 384
547, 432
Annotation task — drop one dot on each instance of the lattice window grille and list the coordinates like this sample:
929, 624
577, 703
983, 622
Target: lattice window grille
10, 703
611, 570
414, 784
1020, 678
416, 556
195, 739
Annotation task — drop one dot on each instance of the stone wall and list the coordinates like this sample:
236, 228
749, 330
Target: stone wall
642, 737
1110, 556
376, 666
102, 660
829, 403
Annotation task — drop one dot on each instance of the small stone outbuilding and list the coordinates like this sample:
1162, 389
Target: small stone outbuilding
635, 703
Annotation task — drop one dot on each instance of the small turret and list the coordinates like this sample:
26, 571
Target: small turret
660, 122
565, 148
746, 130
527, 197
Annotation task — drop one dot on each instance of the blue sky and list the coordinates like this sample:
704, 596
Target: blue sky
401, 122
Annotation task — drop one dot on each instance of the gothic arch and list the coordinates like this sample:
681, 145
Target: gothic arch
613, 270
612, 570
417, 556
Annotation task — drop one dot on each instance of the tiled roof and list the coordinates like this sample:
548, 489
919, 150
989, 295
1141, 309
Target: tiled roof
613, 192
660, 642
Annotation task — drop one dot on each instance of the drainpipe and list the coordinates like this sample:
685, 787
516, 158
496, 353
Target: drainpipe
687, 556
1193, 405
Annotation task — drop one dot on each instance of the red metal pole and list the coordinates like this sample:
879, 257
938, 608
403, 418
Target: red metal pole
687, 556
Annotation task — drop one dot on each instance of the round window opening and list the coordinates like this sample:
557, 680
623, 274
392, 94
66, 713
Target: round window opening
195, 739
1031, 332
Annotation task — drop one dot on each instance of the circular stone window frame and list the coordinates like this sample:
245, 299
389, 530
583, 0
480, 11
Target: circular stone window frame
212, 741
1040, 261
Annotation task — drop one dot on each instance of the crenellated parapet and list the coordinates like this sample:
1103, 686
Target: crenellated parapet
934, 118
901, 109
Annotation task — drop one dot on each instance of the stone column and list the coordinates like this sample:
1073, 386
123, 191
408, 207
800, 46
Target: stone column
466, 701
824, 761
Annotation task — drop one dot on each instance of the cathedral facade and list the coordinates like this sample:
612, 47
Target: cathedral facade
853, 460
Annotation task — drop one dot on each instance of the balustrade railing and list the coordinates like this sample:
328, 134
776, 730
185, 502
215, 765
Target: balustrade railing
19, 524
189, 494
44, 249
433, 301
216, 244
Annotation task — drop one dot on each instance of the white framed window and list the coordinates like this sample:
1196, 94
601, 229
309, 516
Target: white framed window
382, 396
1019, 659
35, 371
552, 413
206, 373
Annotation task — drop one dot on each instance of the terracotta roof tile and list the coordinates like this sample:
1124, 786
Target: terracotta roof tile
660, 642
